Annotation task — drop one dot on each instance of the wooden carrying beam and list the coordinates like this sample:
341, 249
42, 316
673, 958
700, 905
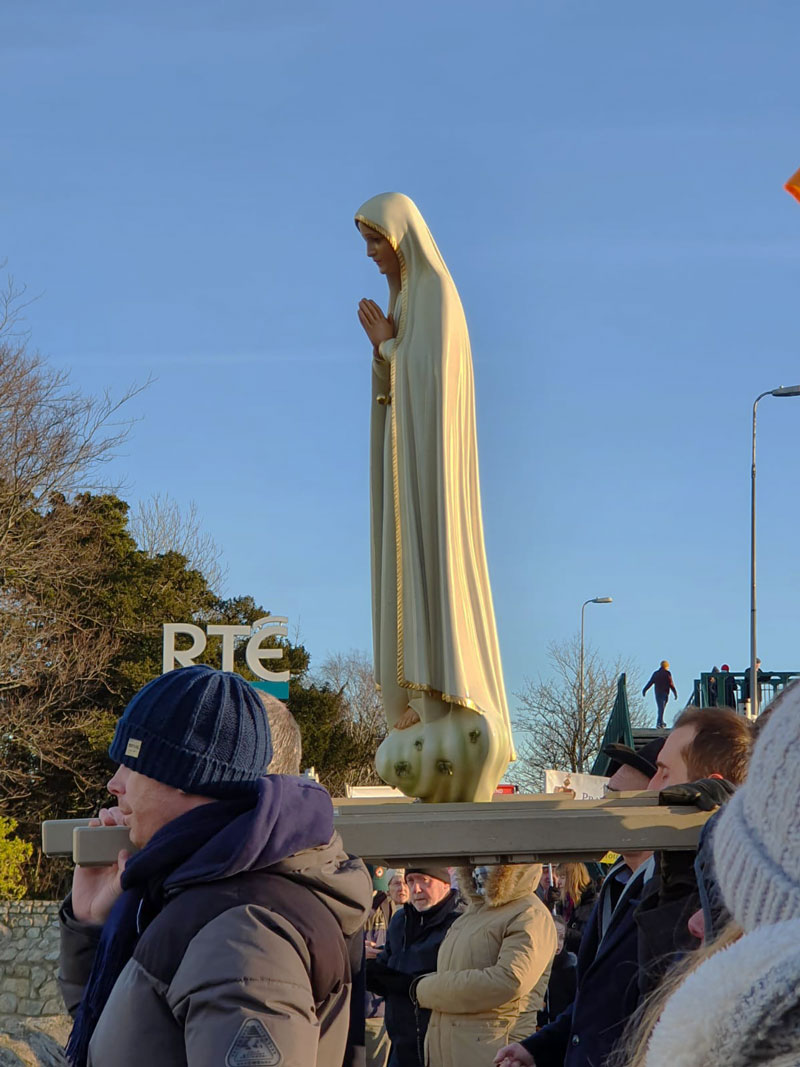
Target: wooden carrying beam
521, 829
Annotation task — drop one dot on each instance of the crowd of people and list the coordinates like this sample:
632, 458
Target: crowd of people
243, 933
523, 997
723, 690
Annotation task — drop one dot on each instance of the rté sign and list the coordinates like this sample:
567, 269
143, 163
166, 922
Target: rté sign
275, 682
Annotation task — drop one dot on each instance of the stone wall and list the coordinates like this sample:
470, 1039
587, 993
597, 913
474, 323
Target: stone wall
31, 1008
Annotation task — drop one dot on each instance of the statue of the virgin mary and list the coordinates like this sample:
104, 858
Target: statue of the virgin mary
437, 659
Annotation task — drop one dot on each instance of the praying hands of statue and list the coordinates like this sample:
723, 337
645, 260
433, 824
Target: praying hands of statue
377, 326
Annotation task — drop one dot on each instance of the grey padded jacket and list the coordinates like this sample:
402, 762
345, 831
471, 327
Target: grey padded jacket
250, 971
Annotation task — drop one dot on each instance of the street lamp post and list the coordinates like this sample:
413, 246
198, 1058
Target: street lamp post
783, 390
581, 715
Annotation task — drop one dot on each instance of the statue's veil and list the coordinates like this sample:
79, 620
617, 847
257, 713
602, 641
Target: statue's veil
427, 533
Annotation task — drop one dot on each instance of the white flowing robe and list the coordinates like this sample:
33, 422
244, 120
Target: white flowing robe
433, 620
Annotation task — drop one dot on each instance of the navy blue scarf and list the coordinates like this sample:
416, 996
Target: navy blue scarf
142, 899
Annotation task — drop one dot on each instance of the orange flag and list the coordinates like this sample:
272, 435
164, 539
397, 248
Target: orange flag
793, 185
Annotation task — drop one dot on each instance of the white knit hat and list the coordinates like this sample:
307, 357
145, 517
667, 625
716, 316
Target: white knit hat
757, 839
738, 1008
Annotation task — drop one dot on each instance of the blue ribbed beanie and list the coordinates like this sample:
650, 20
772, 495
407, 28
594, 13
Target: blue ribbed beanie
197, 729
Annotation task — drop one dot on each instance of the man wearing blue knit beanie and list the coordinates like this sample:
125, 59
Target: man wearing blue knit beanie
223, 942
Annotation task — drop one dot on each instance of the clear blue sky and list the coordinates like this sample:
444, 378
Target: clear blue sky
604, 181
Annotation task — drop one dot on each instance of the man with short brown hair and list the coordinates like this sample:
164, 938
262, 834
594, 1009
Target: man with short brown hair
705, 747
704, 758
702, 743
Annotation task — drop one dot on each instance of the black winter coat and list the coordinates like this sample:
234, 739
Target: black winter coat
561, 988
580, 916
412, 946
608, 990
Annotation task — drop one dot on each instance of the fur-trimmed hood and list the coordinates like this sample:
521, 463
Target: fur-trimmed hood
504, 882
492, 969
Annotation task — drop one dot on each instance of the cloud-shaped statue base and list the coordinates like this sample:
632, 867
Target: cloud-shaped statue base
459, 756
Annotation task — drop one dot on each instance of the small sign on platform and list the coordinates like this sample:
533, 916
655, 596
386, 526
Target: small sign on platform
578, 786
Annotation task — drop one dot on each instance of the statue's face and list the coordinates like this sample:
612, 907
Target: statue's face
379, 250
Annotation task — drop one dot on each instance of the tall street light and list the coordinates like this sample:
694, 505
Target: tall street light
783, 390
581, 715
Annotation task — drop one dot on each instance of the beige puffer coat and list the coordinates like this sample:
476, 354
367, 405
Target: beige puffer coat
491, 959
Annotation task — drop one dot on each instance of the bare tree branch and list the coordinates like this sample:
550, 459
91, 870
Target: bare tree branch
350, 674
54, 649
160, 525
14, 301
547, 719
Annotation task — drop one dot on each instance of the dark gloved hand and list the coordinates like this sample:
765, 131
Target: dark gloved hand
706, 794
374, 977
386, 980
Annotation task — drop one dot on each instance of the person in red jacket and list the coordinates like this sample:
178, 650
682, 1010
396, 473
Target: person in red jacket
662, 683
